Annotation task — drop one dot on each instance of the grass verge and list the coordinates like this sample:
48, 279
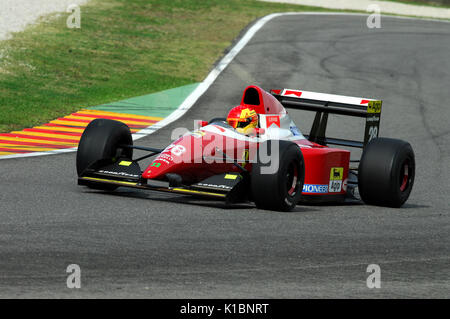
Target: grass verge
123, 49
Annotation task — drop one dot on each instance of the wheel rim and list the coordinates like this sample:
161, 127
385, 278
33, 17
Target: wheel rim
292, 179
405, 176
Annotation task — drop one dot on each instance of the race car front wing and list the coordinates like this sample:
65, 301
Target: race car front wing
231, 187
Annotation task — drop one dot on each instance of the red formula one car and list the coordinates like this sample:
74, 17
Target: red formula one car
273, 165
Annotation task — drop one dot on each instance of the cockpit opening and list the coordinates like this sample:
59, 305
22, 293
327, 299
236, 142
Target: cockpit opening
252, 97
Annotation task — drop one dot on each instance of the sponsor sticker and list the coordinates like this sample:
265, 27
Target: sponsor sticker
273, 120
315, 189
336, 173
335, 186
230, 176
245, 157
125, 163
295, 131
165, 156
215, 186
118, 173
374, 107
336, 176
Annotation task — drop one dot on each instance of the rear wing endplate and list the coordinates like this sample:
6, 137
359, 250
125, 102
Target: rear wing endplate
324, 104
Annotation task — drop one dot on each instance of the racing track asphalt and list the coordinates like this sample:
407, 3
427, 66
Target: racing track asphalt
152, 245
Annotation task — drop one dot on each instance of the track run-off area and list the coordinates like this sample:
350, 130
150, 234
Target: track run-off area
132, 243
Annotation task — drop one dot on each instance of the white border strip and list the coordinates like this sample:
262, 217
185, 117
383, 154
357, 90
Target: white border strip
202, 87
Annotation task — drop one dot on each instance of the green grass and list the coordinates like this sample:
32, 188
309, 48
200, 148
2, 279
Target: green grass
125, 48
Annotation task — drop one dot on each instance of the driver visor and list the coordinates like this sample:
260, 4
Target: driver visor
239, 123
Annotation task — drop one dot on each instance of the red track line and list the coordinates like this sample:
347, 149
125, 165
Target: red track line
136, 127
35, 137
36, 144
12, 150
88, 121
73, 120
77, 127
115, 118
52, 132
64, 125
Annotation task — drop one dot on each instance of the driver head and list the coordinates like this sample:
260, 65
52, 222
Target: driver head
243, 118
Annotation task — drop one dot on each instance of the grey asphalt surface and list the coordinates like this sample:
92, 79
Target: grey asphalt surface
152, 245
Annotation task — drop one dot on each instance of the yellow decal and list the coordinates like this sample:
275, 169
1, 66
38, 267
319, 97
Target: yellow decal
336, 173
247, 113
374, 107
109, 181
230, 176
190, 191
125, 163
198, 134
245, 157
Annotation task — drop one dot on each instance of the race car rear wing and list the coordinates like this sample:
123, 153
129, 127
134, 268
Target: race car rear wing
324, 104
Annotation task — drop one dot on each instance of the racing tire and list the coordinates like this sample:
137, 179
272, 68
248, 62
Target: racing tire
281, 189
386, 172
100, 141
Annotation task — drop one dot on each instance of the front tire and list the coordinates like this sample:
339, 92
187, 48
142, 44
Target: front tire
101, 140
281, 188
386, 172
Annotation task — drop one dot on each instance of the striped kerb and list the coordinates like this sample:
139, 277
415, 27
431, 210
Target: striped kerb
65, 132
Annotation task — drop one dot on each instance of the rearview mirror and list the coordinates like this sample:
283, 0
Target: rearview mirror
199, 123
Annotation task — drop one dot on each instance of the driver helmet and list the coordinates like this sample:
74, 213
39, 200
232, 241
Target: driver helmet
243, 118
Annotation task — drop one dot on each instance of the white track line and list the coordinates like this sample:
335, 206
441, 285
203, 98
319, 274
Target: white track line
201, 89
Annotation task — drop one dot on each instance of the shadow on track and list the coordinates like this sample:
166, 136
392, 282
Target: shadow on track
192, 200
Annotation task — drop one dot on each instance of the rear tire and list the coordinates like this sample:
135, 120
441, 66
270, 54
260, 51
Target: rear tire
279, 190
386, 172
100, 141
